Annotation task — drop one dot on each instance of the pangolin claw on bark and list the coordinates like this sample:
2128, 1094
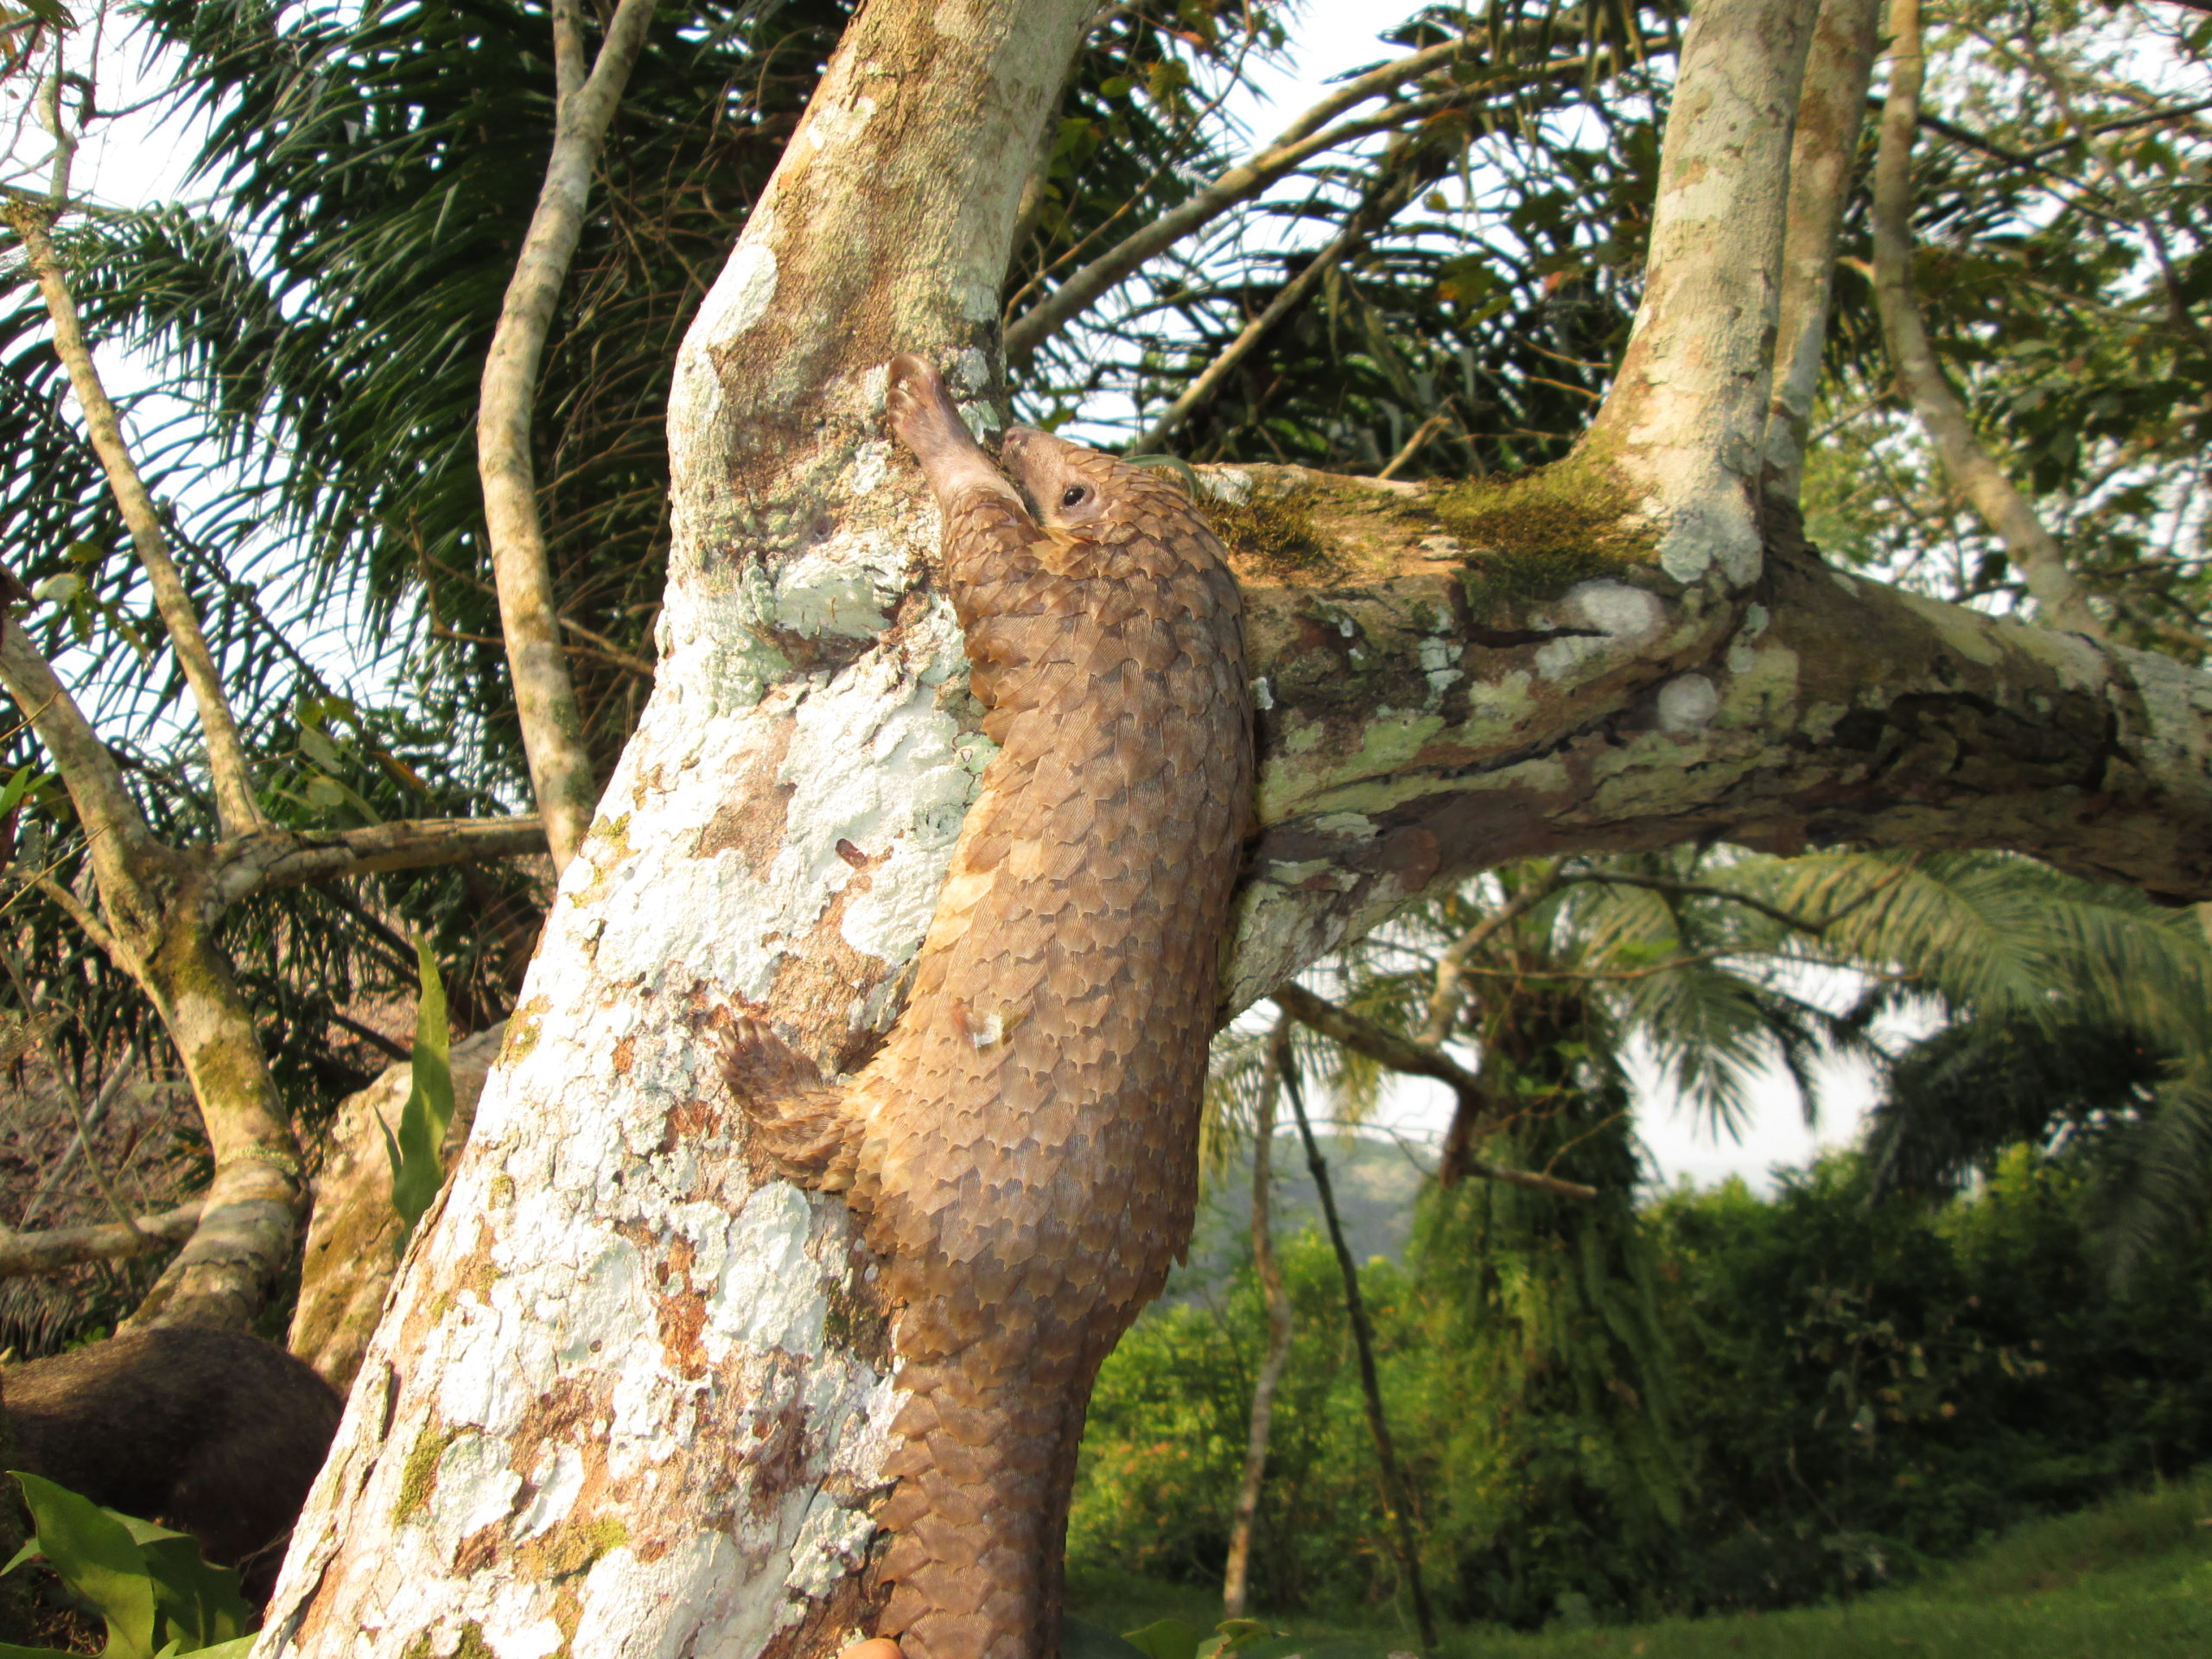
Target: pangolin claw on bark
1022, 1152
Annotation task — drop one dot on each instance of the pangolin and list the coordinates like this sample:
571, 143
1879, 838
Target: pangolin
1022, 1151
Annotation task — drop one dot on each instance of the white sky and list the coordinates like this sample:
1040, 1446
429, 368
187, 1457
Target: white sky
134, 161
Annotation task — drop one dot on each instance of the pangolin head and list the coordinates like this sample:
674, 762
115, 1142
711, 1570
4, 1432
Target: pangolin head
1067, 486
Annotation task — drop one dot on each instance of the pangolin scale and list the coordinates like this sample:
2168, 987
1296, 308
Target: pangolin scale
1022, 1151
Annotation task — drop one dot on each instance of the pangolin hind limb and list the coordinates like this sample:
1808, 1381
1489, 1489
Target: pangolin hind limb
1022, 1152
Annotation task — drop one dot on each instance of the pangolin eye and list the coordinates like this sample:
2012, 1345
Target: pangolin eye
1073, 495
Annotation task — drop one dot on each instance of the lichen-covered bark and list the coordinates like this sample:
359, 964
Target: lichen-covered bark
626, 1400
1685, 419
248, 1216
1418, 725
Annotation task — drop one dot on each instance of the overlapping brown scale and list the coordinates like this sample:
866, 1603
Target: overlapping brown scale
1022, 1151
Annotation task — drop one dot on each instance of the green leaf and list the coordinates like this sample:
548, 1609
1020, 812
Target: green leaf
94, 1554
1232, 1635
20, 783
416, 1172
1165, 1638
320, 749
199, 1600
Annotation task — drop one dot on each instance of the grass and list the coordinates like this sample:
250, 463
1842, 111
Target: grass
2129, 1580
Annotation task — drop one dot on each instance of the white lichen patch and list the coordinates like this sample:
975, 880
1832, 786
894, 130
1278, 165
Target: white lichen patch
766, 1292
559, 1479
518, 1624
654, 1610
474, 1488
1230, 484
1345, 826
1708, 523
833, 125
835, 590
871, 464
832, 1543
1687, 702
740, 296
1608, 619
1440, 664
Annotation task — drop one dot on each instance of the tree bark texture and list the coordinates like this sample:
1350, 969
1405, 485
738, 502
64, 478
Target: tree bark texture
630, 1394
1685, 419
630, 1398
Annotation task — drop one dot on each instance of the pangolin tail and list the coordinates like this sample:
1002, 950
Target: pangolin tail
979, 1516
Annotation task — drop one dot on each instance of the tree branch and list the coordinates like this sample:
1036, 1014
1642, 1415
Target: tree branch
110, 818
1224, 364
1306, 138
2042, 564
1684, 425
232, 778
291, 858
545, 697
1444, 1000
1402, 749
1822, 158
61, 1248
1396, 1053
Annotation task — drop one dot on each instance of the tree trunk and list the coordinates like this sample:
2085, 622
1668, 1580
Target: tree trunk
530, 621
249, 1215
628, 1397
1236, 1580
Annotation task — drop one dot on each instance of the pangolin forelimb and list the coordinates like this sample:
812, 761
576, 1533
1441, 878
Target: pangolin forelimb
1021, 1154
800, 1124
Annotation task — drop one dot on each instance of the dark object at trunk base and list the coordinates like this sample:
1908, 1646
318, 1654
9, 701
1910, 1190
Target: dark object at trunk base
212, 1432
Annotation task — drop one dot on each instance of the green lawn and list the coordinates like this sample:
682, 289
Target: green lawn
2130, 1578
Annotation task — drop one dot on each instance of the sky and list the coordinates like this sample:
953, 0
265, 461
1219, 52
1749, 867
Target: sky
135, 159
